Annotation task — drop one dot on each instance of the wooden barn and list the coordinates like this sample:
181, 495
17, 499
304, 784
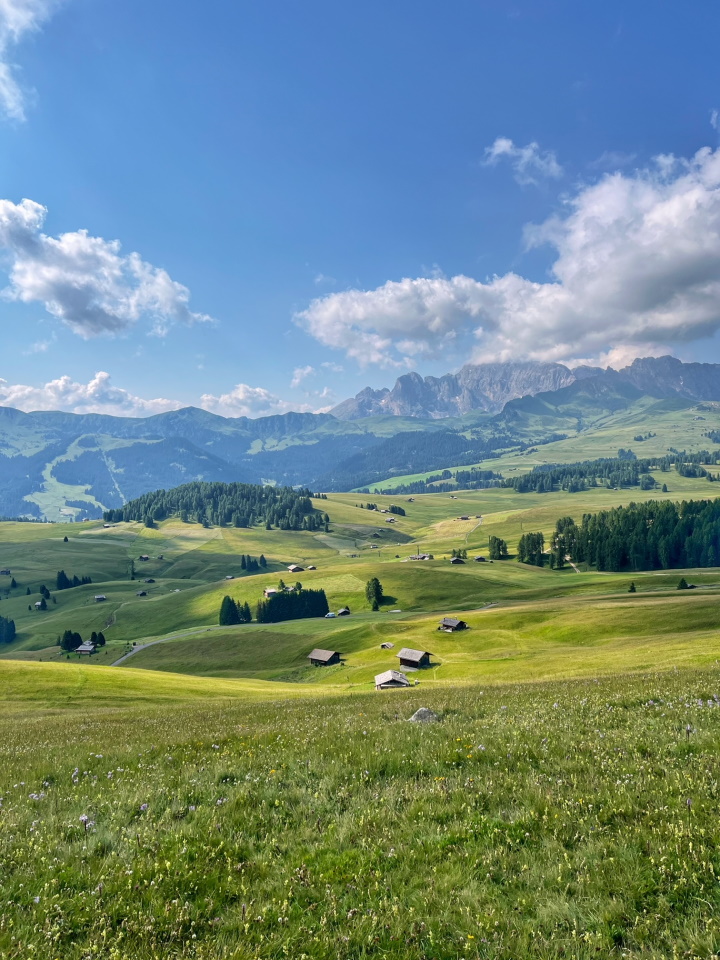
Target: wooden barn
391, 680
324, 658
344, 612
457, 560
451, 624
414, 659
86, 648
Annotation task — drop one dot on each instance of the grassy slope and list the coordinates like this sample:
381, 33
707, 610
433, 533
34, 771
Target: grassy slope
673, 422
546, 624
564, 820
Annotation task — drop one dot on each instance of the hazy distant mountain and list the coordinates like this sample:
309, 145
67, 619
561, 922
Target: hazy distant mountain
489, 386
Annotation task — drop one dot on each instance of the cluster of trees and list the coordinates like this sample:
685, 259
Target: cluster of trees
399, 511
250, 563
233, 612
7, 630
295, 605
71, 640
656, 535
374, 593
226, 504
64, 582
531, 549
498, 549
448, 480
460, 554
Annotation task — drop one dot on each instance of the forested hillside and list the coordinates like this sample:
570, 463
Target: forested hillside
655, 535
225, 504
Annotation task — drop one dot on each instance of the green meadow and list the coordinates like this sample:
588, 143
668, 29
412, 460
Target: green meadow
213, 796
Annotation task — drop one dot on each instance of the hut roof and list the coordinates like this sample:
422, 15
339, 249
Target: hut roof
391, 676
86, 647
450, 622
323, 655
414, 656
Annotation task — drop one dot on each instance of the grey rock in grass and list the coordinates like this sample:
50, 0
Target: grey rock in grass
424, 715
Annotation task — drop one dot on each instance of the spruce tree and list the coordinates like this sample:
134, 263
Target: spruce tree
228, 612
631, 588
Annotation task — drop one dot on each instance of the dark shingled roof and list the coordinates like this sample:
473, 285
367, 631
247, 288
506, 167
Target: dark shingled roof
413, 655
323, 655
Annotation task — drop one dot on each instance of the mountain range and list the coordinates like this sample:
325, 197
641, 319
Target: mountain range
489, 386
59, 465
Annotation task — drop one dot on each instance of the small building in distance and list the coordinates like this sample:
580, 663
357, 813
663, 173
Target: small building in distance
414, 659
479, 559
148, 580
324, 658
5, 572
451, 624
311, 567
144, 557
464, 517
38, 604
457, 560
269, 592
388, 645
141, 593
421, 556
87, 648
391, 680
294, 568
344, 612
100, 597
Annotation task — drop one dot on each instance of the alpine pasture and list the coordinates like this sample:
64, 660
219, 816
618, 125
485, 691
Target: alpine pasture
215, 796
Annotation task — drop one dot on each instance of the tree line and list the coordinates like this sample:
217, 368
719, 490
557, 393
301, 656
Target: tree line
225, 504
617, 472
656, 535
447, 482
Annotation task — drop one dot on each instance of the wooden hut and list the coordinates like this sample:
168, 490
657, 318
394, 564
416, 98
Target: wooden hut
324, 658
451, 624
391, 680
414, 659
86, 648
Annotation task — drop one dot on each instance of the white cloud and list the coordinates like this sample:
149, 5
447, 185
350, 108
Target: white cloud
85, 281
17, 18
97, 396
322, 279
333, 367
247, 401
529, 162
715, 119
300, 374
637, 263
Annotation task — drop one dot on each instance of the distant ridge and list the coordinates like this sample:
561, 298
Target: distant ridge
489, 386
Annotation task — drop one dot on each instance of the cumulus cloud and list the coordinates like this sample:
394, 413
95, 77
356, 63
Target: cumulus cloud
332, 366
96, 396
636, 264
17, 18
85, 281
300, 374
529, 163
247, 401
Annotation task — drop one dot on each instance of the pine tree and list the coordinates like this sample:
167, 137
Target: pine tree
263, 561
228, 612
13, 583
631, 588
101, 639
243, 562
683, 584
374, 593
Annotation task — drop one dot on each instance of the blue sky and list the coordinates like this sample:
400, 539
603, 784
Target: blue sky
285, 202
